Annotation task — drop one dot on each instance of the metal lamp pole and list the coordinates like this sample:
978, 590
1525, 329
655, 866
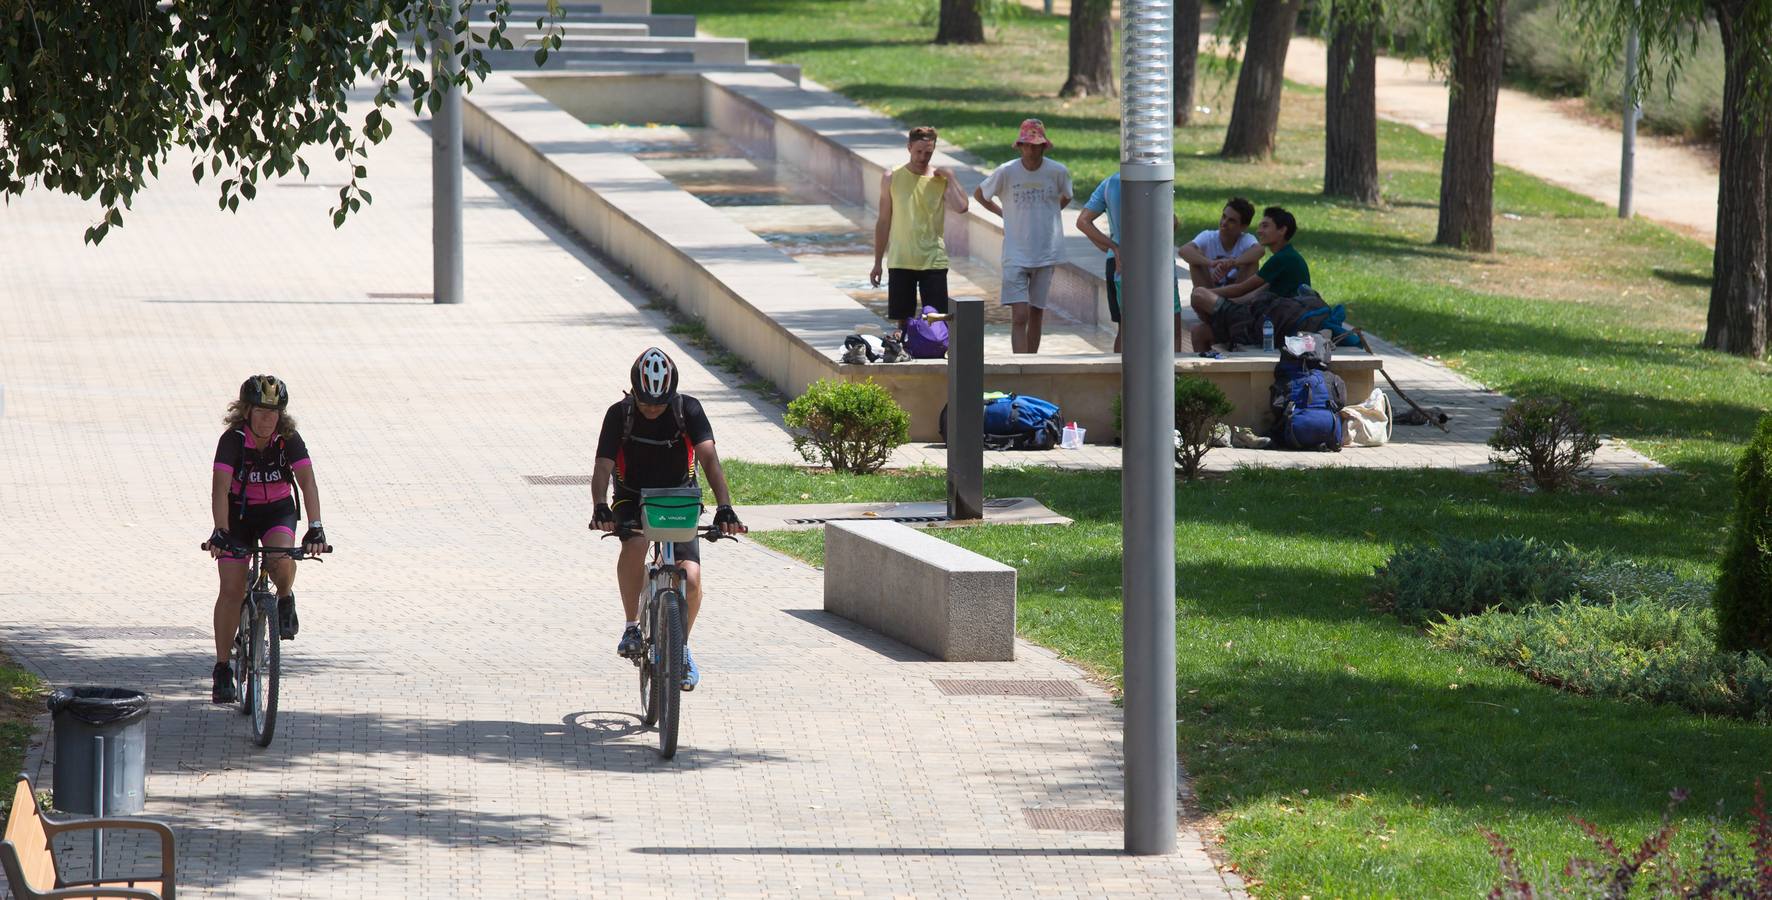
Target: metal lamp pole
446, 167
1633, 110
1147, 485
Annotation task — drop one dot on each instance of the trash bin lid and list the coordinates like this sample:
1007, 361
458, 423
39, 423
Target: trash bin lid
99, 705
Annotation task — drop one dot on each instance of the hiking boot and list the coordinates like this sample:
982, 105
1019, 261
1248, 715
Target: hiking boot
288, 623
1247, 439
691, 673
221, 689
631, 643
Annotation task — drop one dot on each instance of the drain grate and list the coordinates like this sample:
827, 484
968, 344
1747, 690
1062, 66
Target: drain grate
558, 479
1059, 818
118, 632
981, 687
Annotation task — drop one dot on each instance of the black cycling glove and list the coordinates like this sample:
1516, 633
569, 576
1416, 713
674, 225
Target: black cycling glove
725, 516
315, 535
602, 514
219, 538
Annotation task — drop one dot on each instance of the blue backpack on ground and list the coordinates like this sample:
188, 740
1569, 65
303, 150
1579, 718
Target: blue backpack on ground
924, 339
1018, 422
1307, 399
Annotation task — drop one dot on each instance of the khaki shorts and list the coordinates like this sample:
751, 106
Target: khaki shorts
1027, 285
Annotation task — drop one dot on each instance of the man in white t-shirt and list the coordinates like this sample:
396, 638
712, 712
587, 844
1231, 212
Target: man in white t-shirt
1219, 256
1032, 189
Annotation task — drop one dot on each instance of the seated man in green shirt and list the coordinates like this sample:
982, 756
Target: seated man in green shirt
1281, 276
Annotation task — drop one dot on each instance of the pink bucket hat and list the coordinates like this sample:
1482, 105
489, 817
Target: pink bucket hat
1033, 131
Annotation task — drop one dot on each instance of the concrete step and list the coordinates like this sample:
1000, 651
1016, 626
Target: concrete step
708, 51
658, 26
518, 62
576, 9
590, 27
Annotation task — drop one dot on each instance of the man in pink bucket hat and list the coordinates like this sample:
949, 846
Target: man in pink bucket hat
1032, 190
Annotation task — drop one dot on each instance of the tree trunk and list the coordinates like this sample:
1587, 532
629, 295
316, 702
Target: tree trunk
1092, 50
1255, 114
1187, 56
960, 23
1467, 170
1738, 304
1350, 135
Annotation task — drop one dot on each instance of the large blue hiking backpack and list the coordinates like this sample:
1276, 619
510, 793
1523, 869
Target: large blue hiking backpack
1307, 400
1019, 422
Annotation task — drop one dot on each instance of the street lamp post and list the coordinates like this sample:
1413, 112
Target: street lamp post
446, 163
1147, 485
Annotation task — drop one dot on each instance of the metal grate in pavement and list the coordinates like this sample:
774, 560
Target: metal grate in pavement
558, 479
1062, 818
982, 687
117, 632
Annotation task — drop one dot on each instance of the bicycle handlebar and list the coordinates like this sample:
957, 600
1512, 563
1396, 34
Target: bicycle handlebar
291, 552
710, 533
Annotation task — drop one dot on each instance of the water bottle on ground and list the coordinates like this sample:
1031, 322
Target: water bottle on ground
1267, 335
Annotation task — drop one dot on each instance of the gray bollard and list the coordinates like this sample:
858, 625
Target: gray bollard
966, 409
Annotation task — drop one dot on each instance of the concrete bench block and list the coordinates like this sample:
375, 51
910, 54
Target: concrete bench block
945, 600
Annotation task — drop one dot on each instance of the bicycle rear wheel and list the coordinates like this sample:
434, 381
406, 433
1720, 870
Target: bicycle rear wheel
649, 680
242, 659
668, 681
267, 657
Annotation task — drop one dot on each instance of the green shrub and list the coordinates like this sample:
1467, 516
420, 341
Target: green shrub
1642, 650
852, 426
1460, 577
1618, 581
1744, 592
1548, 439
1199, 405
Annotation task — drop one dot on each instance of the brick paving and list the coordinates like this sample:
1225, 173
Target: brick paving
455, 723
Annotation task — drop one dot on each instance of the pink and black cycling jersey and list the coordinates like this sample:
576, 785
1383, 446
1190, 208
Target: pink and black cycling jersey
262, 473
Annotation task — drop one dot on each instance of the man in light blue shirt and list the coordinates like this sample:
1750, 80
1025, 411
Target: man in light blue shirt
1106, 199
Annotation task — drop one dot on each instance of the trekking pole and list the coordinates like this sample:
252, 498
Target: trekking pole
1437, 417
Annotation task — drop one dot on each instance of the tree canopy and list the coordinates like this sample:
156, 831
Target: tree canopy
94, 94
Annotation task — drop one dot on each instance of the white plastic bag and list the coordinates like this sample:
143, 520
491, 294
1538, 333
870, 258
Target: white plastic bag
1072, 439
1369, 423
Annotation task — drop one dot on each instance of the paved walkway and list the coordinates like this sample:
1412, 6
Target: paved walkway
455, 723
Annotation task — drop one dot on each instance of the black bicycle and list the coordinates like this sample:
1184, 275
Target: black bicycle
668, 515
258, 654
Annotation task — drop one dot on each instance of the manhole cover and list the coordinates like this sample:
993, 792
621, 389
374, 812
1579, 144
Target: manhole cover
980, 687
558, 479
1069, 819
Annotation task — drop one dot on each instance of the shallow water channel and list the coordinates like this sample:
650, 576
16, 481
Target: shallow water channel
786, 208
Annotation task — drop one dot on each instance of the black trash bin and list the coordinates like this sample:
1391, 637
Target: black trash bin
82, 716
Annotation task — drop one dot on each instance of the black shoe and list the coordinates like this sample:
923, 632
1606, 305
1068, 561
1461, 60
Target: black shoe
221, 689
288, 623
631, 643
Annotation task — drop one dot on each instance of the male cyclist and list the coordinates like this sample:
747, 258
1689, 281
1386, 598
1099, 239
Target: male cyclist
655, 438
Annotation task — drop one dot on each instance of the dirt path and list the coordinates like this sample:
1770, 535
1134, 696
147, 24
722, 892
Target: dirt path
1675, 185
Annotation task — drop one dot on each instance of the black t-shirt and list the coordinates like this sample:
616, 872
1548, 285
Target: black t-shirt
261, 472
657, 453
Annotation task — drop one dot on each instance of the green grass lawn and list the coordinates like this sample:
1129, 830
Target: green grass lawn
19, 703
1341, 754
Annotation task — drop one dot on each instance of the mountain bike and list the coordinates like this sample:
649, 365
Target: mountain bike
258, 654
667, 516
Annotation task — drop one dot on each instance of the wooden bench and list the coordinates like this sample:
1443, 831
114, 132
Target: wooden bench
28, 856
942, 599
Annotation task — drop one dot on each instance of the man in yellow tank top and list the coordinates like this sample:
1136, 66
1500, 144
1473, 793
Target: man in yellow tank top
914, 200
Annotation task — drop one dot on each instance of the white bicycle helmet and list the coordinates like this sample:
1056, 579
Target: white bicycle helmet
654, 377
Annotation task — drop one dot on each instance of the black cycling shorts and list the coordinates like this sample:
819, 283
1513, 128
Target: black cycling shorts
257, 522
904, 285
627, 512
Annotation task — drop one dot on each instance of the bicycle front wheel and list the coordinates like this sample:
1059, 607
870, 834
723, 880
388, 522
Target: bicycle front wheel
668, 681
265, 671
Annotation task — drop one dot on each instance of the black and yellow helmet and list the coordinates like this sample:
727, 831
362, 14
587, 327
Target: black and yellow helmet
267, 391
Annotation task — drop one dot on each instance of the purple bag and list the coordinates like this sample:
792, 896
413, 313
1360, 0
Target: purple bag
924, 339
